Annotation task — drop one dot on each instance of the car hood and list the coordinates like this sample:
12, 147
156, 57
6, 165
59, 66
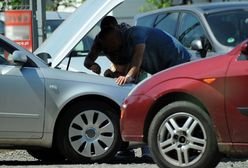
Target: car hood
212, 67
74, 28
57, 74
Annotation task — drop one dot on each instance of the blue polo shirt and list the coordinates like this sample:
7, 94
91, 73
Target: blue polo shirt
161, 49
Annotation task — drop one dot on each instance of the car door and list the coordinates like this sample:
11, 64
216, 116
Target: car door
22, 96
190, 29
236, 99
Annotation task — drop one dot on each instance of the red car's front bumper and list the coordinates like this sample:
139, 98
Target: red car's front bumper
133, 115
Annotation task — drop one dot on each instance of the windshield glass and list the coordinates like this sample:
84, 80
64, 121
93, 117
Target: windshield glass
229, 27
51, 25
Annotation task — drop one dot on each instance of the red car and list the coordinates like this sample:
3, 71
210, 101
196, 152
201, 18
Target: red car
191, 114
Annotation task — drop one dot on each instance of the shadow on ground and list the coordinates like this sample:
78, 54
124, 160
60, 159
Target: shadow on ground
117, 160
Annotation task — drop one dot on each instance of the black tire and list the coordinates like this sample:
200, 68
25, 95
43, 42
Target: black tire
81, 140
201, 152
47, 155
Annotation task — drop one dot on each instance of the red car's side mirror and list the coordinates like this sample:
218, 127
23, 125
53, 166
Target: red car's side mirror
244, 48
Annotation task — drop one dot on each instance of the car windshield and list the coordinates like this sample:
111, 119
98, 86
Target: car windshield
51, 25
230, 28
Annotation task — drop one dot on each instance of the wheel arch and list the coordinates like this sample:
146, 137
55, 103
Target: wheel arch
165, 100
84, 98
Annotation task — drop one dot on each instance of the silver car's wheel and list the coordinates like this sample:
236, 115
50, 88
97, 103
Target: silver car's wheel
181, 135
91, 133
181, 139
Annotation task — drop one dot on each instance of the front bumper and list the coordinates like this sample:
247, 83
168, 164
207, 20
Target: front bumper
134, 111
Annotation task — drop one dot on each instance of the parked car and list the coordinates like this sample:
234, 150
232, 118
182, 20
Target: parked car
54, 19
204, 29
191, 113
57, 114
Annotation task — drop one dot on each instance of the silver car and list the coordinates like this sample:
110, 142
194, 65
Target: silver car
58, 114
204, 29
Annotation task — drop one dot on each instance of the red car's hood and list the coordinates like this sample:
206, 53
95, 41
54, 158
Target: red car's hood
212, 67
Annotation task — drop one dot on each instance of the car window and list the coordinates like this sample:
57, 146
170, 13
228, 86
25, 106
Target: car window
85, 44
6, 53
230, 27
190, 29
6, 57
51, 25
147, 21
3, 60
167, 22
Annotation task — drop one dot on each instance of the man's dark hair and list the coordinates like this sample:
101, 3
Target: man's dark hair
107, 21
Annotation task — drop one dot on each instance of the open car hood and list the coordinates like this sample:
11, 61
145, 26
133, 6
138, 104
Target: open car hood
74, 28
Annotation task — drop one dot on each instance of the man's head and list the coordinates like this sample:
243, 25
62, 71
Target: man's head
108, 21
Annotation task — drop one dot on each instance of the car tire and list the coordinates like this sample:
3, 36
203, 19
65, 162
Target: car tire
47, 155
89, 132
181, 135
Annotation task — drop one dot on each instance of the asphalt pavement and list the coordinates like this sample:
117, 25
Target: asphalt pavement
21, 159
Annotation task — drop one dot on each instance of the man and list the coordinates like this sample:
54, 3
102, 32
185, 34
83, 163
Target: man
96, 49
141, 48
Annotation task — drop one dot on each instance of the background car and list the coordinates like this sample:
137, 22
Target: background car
57, 114
191, 113
204, 29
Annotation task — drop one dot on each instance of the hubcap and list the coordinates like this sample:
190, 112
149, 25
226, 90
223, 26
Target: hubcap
91, 133
182, 139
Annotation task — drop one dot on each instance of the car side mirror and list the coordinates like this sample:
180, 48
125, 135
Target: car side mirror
19, 57
196, 45
244, 48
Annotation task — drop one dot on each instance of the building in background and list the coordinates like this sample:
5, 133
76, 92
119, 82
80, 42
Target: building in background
127, 10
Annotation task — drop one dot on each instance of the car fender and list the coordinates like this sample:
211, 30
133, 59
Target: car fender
58, 98
209, 95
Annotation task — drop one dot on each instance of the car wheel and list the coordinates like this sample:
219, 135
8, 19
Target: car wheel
48, 155
89, 132
181, 135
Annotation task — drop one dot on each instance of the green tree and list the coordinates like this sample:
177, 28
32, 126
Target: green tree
15, 2
56, 3
155, 4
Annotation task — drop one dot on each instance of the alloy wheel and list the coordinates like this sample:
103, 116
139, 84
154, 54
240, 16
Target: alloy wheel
182, 139
91, 133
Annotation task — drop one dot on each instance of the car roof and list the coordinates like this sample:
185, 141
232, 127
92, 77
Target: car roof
221, 6
54, 15
204, 8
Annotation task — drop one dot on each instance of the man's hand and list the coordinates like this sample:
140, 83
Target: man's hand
95, 68
121, 80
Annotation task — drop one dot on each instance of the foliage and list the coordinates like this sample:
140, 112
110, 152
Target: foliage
155, 4
15, 2
10, 4
67, 3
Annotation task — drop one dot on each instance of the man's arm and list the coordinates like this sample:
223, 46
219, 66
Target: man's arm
137, 59
136, 62
90, 59
116, 70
